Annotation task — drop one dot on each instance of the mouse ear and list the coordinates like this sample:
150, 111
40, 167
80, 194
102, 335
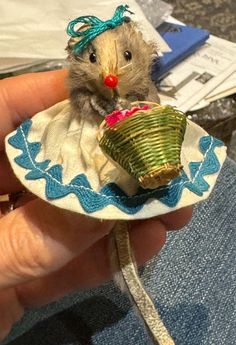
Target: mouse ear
152, 49
71, 43
73, 40
149, 48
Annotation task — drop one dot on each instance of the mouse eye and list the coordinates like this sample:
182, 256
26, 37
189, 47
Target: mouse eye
127, 55
92, 57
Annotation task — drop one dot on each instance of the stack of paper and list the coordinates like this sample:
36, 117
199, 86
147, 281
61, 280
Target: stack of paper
206, 75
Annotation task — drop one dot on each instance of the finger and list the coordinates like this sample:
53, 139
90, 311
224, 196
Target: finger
23, 96
38, 238
177, 219
5, 206
92, 267
9, 202
8, 181
24, 198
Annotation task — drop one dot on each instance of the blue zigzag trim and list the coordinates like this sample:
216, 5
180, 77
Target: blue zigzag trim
111, 194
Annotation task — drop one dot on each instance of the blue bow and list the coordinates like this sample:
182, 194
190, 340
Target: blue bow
96, 26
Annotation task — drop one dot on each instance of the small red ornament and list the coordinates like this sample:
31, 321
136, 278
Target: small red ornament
111, 81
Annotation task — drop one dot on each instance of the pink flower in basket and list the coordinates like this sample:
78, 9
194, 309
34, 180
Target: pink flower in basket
119, 115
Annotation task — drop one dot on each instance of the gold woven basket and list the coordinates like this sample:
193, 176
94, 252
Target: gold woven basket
147, 144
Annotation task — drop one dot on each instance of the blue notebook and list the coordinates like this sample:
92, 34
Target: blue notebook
183, 40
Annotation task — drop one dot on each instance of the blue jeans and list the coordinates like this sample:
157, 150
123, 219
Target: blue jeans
192, 282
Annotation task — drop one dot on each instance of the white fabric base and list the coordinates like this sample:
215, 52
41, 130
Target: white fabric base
71, 140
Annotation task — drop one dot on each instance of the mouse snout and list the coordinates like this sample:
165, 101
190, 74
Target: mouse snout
111, 80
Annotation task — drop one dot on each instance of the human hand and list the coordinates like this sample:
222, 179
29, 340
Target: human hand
46, 252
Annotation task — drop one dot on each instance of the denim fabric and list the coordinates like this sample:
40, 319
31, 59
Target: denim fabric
192, 283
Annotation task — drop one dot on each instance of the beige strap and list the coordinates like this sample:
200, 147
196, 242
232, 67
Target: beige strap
141, 299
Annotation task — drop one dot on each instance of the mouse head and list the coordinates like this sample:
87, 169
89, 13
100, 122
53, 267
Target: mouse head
116, 63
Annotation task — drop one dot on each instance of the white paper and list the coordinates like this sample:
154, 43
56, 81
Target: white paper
225, 89
228, 87
197, 77
36, 29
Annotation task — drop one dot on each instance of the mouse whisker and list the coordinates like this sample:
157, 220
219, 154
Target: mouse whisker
123, 69
116, 61
125, 66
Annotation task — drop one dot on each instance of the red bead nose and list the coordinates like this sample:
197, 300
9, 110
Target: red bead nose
111, 81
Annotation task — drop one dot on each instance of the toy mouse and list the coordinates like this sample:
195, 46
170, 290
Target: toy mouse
144, 161
112, 71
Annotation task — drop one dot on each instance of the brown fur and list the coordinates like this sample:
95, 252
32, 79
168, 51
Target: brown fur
86, 79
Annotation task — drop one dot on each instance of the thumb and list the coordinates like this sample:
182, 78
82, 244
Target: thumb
38, 238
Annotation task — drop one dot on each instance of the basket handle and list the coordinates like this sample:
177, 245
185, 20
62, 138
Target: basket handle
100, 129
147, 102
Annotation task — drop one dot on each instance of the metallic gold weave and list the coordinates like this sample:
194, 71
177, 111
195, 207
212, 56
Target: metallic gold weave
148, 144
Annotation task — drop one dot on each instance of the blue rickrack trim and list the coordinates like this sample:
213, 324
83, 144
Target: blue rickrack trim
111, 194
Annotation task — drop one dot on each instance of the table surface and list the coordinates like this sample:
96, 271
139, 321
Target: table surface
217, 16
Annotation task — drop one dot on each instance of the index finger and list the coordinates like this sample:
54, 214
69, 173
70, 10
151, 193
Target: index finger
23, 96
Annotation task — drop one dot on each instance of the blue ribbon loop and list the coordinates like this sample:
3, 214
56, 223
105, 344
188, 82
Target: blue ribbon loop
96, 26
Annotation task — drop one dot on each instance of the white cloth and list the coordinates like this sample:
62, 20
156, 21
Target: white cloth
71, 141
38, 30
